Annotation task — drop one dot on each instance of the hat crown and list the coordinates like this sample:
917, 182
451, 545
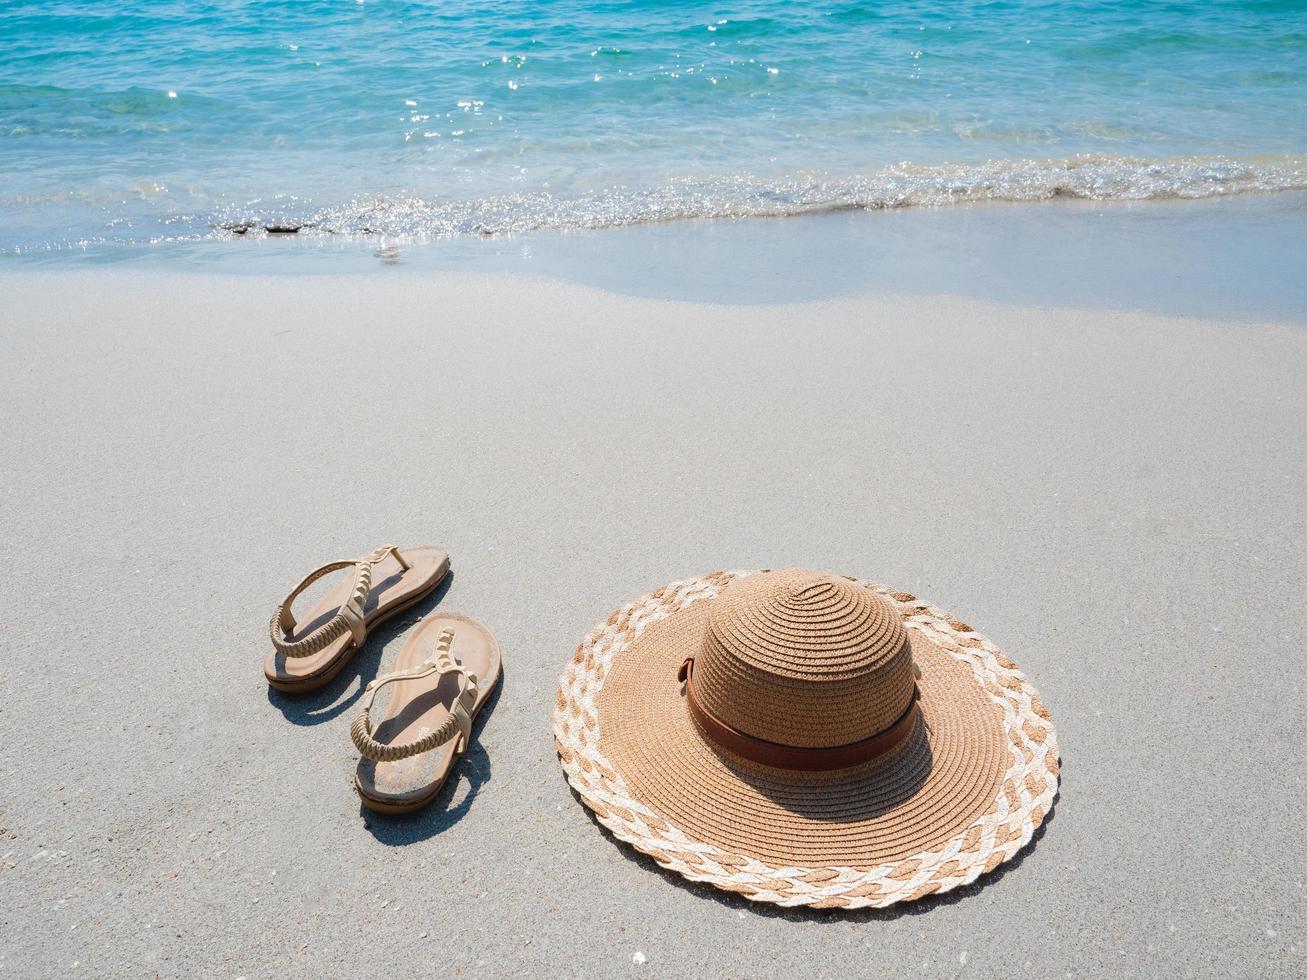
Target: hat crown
804, 658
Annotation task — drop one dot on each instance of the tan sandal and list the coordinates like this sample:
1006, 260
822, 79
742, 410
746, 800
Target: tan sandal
308, 654
428, 722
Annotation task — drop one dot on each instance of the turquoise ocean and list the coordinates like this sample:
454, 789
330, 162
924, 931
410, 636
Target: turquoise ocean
164, 122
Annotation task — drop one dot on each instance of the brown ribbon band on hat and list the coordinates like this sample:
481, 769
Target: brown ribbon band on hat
797, 757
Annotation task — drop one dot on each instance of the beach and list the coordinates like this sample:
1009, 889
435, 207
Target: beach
1112, 496
995, 310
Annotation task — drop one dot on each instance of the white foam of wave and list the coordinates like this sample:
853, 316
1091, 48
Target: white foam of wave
1089, 177
1095, 177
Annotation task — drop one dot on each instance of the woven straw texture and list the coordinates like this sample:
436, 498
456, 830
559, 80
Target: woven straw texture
964, 794
804, 659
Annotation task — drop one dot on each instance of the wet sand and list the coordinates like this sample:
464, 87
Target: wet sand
1114, 498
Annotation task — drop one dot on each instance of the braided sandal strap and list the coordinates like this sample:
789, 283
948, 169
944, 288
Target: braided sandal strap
349, 618
459, 722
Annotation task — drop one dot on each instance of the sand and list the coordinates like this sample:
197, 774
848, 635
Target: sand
1115, 498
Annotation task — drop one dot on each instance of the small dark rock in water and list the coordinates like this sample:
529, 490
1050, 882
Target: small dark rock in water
282, 229
237, 227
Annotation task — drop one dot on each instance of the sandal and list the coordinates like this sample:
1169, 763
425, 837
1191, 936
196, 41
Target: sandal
308, 654
428, 722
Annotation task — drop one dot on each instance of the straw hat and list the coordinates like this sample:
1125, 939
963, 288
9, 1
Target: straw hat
805, 739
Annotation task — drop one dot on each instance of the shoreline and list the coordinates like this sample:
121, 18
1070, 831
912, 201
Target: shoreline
1111, 497
149, 213
1224, 258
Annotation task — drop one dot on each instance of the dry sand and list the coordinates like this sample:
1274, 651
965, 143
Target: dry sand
1117, 499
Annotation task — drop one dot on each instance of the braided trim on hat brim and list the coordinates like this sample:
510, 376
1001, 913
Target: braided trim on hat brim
1025, 796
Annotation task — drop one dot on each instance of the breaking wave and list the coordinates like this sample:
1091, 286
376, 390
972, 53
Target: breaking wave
160, 217
1089, 177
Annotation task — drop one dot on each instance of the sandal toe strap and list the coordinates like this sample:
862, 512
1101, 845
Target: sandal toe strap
457, 725
349, 618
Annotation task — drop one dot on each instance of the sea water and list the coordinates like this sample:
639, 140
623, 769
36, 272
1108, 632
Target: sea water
158, 122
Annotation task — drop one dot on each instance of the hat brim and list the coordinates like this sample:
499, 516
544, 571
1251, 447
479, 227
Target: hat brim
963, 794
